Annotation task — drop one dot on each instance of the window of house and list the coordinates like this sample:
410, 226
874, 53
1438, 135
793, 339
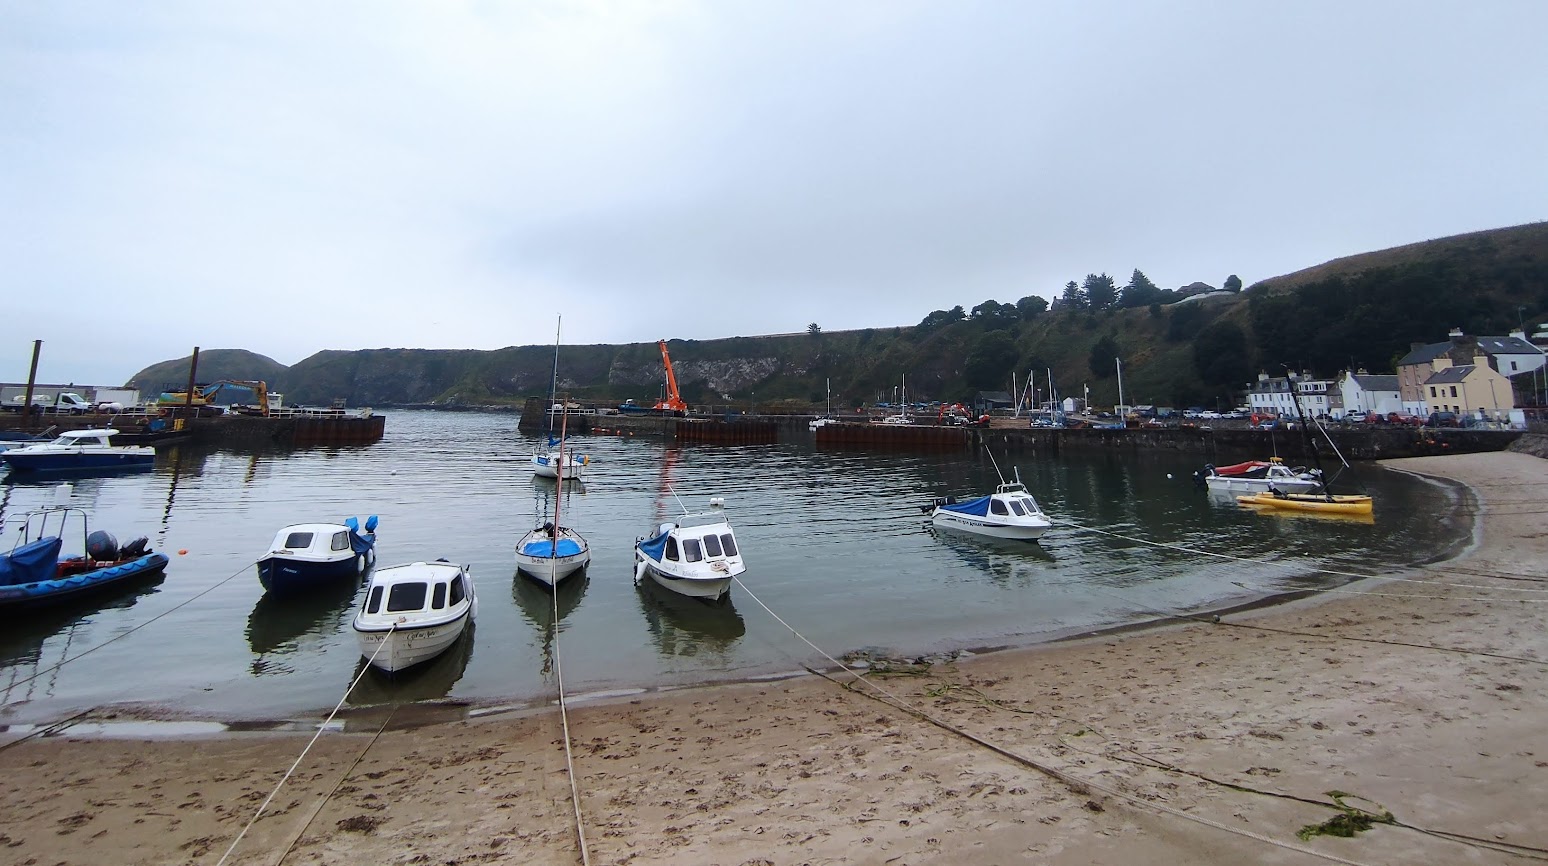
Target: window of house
1432, 390
1453, 390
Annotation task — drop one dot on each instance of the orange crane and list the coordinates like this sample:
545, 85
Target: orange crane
673, 402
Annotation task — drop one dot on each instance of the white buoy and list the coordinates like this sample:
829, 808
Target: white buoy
1169, 476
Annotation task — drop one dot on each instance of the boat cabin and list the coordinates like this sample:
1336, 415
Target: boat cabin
85, 439
317, 541
430, 589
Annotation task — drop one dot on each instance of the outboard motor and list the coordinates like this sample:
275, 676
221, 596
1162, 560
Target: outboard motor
371, 523
135, 549
102, 546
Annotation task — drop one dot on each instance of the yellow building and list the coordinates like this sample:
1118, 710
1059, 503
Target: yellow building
1475, 388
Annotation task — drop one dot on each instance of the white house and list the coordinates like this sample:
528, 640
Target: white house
1364, 392
1271, 396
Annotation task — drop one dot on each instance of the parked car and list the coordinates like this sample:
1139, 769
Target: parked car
1355, 417
1443, 419
1404, 418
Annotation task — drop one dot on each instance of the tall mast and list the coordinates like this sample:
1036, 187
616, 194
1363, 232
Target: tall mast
553, 385
1311, 445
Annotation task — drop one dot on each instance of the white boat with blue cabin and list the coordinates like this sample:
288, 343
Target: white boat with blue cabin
413, 613
80, 451
696, 555
1009, 512
551, 461
309, 556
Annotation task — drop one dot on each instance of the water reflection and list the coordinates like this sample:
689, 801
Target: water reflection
429, 681
681, 627
278, 622
25, 650
1007, 562
538, 604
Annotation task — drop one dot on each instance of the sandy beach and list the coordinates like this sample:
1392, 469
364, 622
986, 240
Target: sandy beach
1420, 697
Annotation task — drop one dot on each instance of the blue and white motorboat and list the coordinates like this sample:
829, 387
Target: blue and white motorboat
79, 451
696, 555
308, 555
549, 553
412, 613
33, 573
1008, 512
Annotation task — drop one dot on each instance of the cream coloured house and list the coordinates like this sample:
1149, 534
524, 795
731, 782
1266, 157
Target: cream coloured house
1468, 389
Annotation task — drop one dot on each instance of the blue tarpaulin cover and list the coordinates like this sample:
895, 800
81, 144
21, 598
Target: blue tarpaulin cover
654, 548
30, 563
976, 507
544, 548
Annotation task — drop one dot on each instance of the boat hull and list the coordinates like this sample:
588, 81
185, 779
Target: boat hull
405, 648
1028, 531
1312, 504
61, 463
548, 467
63, 591
290, 576
1228, 484
710, 588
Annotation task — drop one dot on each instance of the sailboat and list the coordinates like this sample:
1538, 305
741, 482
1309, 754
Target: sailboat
551, 552
1321, 501
827, 418
546, 461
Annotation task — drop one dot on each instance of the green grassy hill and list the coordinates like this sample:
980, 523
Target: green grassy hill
1362, 310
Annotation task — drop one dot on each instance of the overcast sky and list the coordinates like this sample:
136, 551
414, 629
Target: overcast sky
291, 177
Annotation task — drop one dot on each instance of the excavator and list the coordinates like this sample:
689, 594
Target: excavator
251, 395
673, 402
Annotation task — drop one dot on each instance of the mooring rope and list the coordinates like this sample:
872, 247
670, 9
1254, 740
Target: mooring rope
564, 721
315, 737
296, 837
1076, 784
127, 632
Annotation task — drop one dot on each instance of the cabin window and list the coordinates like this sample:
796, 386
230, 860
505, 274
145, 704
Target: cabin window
671, 549
374, 603
341, 541
299, 539
691, 550
438, 597
1017, 507
728, 542
406, 596
457, 591
712, 544
997, 507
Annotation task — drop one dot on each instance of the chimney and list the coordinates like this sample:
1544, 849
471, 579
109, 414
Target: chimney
1262, 377
1455, 333
1440, 363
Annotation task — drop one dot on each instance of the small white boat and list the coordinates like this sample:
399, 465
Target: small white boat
549, 463
695, 555
79, 451
549, 554
413, 612
1260, 476
1008, 512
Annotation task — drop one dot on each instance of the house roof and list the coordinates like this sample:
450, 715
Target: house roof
1450, 375
1491, 345
1377, 382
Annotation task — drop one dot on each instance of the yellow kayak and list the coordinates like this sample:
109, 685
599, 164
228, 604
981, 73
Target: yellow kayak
1310, 502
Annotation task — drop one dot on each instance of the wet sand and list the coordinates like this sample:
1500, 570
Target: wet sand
807, 771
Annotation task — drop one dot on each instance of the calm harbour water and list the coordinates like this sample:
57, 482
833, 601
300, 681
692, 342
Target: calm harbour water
834, 541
